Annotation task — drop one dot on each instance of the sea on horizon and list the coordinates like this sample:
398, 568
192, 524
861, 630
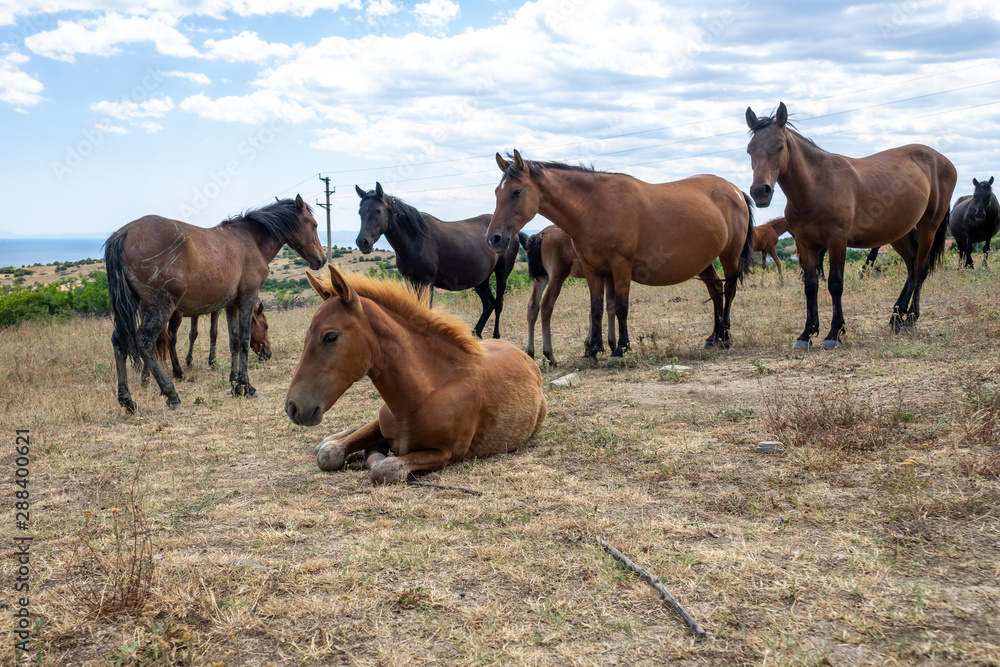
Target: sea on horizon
26, 251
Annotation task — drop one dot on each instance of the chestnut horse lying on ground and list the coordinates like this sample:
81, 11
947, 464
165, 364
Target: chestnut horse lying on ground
447, 395
551, 260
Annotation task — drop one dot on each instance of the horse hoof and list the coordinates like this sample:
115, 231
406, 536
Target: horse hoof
330, 456
389, 471
802, 345
173, 402
830, 344
128, 404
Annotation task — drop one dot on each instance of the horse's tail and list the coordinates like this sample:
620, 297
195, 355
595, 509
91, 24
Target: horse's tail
747, 256
163, 345
936, 258
533, 246
124, 307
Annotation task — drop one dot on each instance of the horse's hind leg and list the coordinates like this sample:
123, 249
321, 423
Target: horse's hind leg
150, 327
121, 368
398, 468
213, 336
609, 307
498, 300
486, 296
986, 251
715, 293
172, 327
534, 304
192, 337
901, 316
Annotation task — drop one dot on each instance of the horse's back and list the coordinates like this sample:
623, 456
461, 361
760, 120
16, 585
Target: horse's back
513, 404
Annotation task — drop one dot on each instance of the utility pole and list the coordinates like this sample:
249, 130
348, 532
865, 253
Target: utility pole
329, 237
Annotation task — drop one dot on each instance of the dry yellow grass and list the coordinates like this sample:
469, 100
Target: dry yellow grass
820, 555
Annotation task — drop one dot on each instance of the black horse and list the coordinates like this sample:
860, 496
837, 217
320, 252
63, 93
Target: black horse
975, 218
432, 253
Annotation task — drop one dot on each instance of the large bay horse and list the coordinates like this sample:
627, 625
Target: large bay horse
447, 395
624, 229
551, 260
975, 219
433, 253
157, 266
900, 196
765, 241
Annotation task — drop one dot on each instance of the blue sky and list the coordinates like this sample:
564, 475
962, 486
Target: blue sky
199, 109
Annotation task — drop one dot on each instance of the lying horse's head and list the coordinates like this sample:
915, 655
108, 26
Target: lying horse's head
339, 350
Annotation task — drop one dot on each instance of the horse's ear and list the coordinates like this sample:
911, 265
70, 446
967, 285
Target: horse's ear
322, 289
782, 116
751, 118
975, 183
260, 307
340, 287
519, 161
299, 202
361, 193
503, 164
378, 189
990, 181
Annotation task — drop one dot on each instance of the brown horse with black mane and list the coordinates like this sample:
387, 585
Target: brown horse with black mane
624, 229
900, 196
157, 266
447, 396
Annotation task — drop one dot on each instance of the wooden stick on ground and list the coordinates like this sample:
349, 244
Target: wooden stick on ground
447, 488
655, 583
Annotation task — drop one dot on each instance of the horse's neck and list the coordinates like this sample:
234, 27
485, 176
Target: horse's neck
564, 199
409, 365
805, 162
399, 238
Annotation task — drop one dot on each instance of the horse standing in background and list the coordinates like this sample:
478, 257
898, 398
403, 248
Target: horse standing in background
624, 229
765, 240
157, 266
900, 196
975, 219
551, 260
433, 253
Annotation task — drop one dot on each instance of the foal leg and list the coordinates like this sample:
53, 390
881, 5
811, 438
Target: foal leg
332, 452
777, 263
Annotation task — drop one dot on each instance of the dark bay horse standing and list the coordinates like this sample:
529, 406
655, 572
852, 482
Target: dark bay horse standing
433, 253
624, 229
975, 219
900, 196
157, 266
765, 240
551, 260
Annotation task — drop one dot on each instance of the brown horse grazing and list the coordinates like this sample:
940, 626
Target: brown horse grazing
434, 253
447, 395
166, 345
765, 238
552, 259
624, 229
900, 196
156, 266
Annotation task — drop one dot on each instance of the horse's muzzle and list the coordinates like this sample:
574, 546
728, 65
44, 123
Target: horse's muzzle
364, 245
303, 416
762, 194
497, 242
316, 263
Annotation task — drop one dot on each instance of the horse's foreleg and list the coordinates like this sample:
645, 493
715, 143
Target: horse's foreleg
835, 284
213, 336
332, 452
810, 280
486, 297
398, 468
986, 251
609, 307
498, 300
621, 273
192, 337
777, 263
241, 384
592, 345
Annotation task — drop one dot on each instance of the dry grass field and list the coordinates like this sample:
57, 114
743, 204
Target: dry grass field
872, 538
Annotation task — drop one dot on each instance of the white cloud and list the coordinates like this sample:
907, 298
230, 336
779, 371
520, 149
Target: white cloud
138, 114
193, 77
380, 9
253, 109
16, 87
101, 36
246, 47
436, 13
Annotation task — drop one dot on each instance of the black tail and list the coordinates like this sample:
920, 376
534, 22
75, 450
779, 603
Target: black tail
747, 257
936, 257
533, 246
124, 309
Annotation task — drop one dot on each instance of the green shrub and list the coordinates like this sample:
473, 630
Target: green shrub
20, 303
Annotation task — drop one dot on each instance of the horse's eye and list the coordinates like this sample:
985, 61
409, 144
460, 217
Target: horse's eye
516, 193
330, 337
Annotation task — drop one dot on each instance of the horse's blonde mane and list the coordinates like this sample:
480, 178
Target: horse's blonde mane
401, 298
